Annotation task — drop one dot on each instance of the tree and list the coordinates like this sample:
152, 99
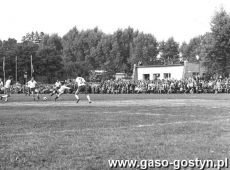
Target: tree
9, 51
49, 58
144, 49
24, 52
80, 51
192, 49
169, 51
34, 37
119, 45
217, 58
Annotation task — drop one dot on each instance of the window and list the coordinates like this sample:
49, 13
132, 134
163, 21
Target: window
146, 76
156, 76
167, 75
195, 73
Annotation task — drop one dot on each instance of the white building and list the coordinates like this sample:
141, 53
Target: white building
176, 71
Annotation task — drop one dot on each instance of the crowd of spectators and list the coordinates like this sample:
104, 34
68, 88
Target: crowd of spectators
42, 88
190, 85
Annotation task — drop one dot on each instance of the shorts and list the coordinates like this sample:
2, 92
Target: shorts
32, 90
82, 89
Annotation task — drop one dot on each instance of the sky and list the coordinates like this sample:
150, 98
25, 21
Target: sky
181, 19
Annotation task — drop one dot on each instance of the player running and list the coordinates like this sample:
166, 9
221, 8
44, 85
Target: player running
32, 88
7, 88
57, 85
81, 83
61, 90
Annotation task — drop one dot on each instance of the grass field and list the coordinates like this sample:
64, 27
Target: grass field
66, 135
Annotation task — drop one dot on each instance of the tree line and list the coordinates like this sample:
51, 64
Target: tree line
56, 57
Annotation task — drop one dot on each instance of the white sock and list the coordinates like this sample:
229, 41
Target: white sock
5, 95
87, 96
76, 96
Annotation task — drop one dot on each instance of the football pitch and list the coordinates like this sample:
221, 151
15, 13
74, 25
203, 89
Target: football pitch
66, 135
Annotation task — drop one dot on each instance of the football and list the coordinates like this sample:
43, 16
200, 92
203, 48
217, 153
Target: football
44, 98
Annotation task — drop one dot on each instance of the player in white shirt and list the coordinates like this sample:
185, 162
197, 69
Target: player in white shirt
7, 88
57, 85
81, 83
61, 90
32, 84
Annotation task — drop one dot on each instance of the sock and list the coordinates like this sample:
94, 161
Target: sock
87, 96
5, 95
76, 96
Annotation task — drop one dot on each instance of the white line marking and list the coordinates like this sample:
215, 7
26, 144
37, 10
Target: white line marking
180, 122
160, 124
148, 114
137, 126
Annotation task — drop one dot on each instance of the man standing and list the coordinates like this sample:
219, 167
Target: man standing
7, 88
81, 83
32, 86
25, 78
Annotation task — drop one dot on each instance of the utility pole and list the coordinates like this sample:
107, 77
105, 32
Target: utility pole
4, 73
16, 69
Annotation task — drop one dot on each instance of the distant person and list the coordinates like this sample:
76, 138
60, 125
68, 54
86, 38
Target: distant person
7, 87
81, 84
32, 84
57, 85
25, 78
61, 90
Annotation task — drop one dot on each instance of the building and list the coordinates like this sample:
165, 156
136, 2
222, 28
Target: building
176, 71
96, 75
120, 76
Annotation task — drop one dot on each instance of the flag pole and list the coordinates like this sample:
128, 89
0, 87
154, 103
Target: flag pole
16, 69
31, 66
4, 74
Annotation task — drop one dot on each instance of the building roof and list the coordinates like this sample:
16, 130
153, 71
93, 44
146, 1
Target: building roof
173, 65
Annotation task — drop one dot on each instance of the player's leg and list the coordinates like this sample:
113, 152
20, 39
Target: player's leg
87, 95
37, 94
54, 92
1, 89
29, 91
57, 96
4, 96
7, 94
32, 90
76, 94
